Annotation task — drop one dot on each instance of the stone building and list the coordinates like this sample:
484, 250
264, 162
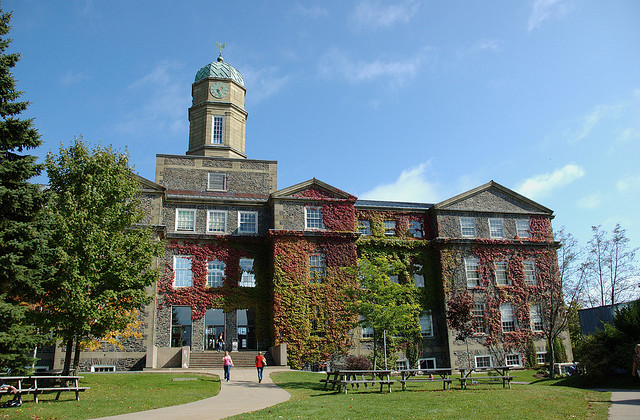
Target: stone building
264, 266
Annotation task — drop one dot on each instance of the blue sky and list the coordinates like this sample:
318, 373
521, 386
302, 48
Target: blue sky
406, 100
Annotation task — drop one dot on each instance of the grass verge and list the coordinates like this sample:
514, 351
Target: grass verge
117, 393
427, 400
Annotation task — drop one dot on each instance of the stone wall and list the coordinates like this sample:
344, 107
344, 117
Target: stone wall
449, 223
169, 217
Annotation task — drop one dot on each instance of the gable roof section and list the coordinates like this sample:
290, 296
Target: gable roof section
312, 189
513, 202
149, 186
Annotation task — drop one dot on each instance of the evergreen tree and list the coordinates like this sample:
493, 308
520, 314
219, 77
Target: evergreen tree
21, 236
106, 256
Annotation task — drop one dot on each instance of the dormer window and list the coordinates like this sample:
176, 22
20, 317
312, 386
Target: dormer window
217, 129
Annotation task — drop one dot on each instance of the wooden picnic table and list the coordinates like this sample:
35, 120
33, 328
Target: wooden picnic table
343, 378
495, 373
433, 375
37, 384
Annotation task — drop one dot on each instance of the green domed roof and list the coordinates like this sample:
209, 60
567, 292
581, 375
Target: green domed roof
220, 70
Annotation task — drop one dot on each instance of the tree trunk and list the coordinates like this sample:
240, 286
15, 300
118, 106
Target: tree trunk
552, 360
67, 357
76, 357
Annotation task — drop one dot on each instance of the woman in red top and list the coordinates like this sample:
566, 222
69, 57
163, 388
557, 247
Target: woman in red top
261, 362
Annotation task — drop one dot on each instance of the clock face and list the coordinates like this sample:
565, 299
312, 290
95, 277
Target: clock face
219, 90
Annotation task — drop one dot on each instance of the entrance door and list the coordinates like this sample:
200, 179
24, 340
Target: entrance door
246, 329
213, 326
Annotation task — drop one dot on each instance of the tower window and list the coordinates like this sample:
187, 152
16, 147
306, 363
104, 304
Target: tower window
217, 130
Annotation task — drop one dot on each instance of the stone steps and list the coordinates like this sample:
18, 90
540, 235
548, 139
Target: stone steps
213, 359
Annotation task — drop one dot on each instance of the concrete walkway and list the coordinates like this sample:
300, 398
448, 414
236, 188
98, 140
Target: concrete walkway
241, 394
625, 404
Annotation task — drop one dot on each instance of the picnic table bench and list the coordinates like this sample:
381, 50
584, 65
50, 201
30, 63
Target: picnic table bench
37, 385
345, 378
491, 374
432, 375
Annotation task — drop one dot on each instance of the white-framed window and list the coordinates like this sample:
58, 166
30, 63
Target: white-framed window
468, 227
103, 368
317, 267
313, 218
513, 359
415, 229
483, 361
215, 273
248, 278
183, 276
418, 278
367, 332
185, 220
522, 228
477, 317
427, 363
508, 317
248, 222
364, 227
536, 318
502, 277
472, 273
426, 324
216, 221
402, 364
496, 228
529, 273
217, 182
390, 227
217, 129
541, 357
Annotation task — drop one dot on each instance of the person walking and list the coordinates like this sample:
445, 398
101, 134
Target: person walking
261, 362
227, 365
220, 342
635, 371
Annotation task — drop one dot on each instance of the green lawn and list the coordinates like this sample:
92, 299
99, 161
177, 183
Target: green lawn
117, 393
427, 400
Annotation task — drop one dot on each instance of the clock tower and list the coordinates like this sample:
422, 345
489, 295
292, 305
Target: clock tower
217, 118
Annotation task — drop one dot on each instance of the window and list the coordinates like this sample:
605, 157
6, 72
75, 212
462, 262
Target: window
248, 222
536, 318
512, 360
367, 332
394, 278
217, 130
418, 278
426, 324
317, 267
186, 220
182, 271
502, 278
215, 273
313, 218
402, 364
415, 229
529, 273
428, 363
248, 278
541, 357
522, 228
483, 361
103, 368
471, 269
216, 221
217, 182
364, 227
508, 318
390, 227
180, 326
468, 227
496, 228
477, 316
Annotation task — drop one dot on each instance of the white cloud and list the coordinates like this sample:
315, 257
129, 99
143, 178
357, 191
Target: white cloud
71, 78
337, 64
375, 15
543, 10
483, 45
629, 184
156, 102
541, 185
263, 82
590, 201
311, 12
411, 186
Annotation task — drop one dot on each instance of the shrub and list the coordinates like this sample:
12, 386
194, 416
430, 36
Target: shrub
358, 363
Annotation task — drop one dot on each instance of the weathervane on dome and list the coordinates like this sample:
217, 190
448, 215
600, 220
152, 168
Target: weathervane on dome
220, 46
